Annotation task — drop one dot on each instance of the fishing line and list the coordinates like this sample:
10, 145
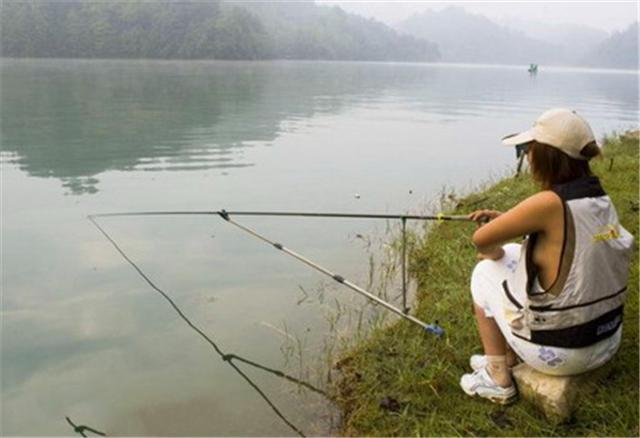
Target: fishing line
228, 358
278, 373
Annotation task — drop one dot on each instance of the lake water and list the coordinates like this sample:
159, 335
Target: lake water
84, 336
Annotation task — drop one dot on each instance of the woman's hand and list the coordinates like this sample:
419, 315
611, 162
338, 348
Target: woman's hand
483, 216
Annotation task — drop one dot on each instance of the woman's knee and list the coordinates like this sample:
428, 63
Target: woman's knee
480, 274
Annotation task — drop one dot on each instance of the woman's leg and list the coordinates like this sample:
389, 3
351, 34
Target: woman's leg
493, 342
495, 348
493, 380
492, 337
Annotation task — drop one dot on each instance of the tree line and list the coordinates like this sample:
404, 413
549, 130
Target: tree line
200, 30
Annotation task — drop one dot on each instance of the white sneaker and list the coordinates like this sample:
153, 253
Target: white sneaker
480, 383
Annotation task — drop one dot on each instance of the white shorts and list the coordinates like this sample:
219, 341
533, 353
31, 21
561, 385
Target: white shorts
486, 290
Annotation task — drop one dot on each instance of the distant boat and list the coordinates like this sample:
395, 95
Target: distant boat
533, 68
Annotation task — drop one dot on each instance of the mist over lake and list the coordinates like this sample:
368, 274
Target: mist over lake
83, 336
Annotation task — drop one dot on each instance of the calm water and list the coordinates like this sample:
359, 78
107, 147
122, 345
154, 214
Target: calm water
84, 336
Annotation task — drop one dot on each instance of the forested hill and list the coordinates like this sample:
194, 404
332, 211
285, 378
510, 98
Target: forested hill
200, 30
465, 37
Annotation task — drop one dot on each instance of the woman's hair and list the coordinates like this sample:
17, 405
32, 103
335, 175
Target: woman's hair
550, 166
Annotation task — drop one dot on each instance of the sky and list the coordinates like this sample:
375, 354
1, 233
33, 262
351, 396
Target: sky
605, 15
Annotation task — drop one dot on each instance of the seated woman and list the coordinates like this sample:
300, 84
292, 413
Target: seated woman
556, 301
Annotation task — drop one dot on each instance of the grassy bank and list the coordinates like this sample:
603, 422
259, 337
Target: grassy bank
402, 382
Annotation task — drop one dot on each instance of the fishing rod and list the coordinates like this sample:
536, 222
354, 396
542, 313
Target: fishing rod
438, 217
432, 328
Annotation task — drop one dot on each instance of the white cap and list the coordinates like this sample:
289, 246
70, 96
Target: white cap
561, 128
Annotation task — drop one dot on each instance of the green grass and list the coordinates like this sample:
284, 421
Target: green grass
421, 372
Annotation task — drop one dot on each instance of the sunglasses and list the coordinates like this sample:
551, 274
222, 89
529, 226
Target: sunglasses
522, 149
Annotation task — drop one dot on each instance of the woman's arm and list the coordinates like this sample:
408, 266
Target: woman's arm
530, 216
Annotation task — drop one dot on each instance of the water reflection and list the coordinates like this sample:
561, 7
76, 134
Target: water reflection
74, 119
228, 358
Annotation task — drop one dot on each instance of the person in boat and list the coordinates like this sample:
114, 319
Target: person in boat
556, 300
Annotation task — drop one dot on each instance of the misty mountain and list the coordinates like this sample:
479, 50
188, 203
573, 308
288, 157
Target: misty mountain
200, 30
620, 50
466, 37
576, 40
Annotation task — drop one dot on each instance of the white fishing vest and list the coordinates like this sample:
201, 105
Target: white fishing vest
585, 303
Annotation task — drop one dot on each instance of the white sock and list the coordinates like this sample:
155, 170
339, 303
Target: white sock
498, 370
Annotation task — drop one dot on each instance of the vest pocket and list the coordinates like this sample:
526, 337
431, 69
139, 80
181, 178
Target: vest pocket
581, 335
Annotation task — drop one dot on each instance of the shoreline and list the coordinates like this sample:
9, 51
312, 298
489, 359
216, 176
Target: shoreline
435, 64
